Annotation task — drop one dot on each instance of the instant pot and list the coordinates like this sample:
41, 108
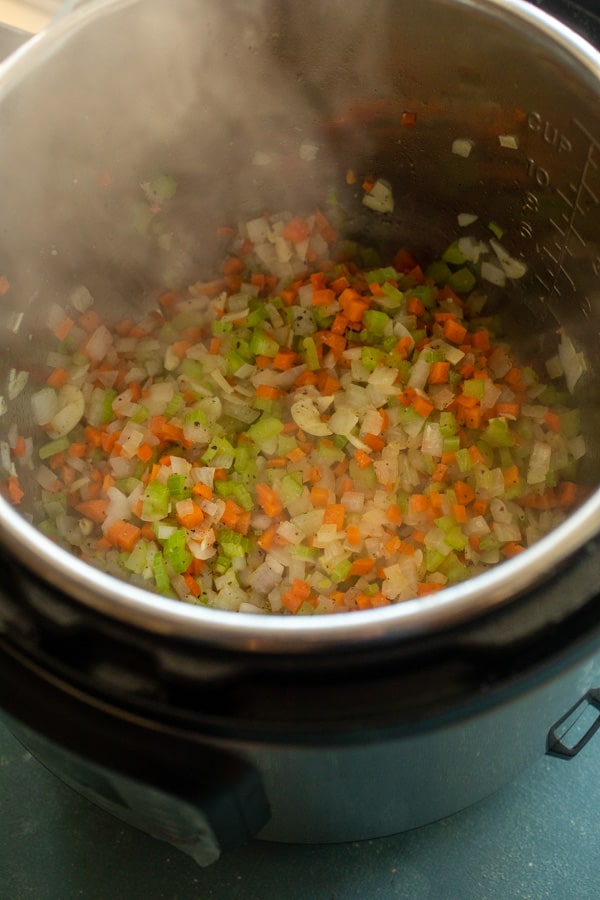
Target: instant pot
207, 728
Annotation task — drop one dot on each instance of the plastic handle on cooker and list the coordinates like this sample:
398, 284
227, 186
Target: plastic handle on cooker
556, 744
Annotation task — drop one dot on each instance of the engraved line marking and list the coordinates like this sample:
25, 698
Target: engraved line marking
584, 131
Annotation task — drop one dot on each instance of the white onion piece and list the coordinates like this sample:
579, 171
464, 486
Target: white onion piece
512, 267
493, 273
462, 147
465, 219
307, 417
380, 198
16, 383
71, 408
539, 463
573, 362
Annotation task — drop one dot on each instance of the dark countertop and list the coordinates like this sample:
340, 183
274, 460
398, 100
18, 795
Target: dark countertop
538, 837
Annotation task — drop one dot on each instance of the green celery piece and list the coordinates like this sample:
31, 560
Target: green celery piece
52, 447
258, 315
300, 551
498, 434
340, 571
433, 559
386, 273
243, 496
456, 539
370, 357
496, 229
463, 460
448, 424
162, 187
290, 487
218, 327
176, 552
261, 344
174, 405
136, 560
192, 369
462, 281
234, 361
233, 545
107, 415
311, 357
264, 429
155, 501
425, 293
177, 488
570, 423
161, 576
453, 569
453, 255
376, 321
438, 272
392, 293
474, 387
451, 444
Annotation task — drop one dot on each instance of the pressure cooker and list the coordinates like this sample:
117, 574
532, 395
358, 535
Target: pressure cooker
205, 727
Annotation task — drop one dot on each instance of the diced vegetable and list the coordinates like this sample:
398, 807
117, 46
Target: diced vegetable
302, 435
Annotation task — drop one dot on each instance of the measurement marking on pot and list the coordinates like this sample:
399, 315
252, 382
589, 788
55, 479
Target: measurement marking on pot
577, 199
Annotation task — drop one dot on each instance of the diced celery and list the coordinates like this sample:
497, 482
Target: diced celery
311, 357
463, 460
340, 571
176, 486
174, 405
497, 433
262, 344
161, 576
474, 387
453, 255
438, 272
448, 424
290, 487
53, 447
376, 321
370, 357
155, 501
264, 429
462, 281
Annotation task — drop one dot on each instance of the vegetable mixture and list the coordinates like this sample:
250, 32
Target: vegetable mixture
301, 435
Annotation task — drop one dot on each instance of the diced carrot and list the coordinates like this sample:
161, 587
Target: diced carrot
439, 373
509, 410
62, 328
123, 534
479, 507
214, 346
511, 548
353, 535
335, 514
319, 496
414, 306
268, 499
266, 539
459, 511
268, 392
394, 514
89, 320
284, 360
57, 378
145, 452
428, 587
203, 490
188, 513
362, 459
566, 493
374, 442
464, 492
15, 492
362, 566
552, 420
323, 297
422, 405
4, 285
296, 230
454, 331
480, 340
96, 510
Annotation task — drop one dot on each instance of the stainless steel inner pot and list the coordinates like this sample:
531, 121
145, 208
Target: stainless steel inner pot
221, 97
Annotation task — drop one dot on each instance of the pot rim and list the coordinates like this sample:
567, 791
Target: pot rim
455, 605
